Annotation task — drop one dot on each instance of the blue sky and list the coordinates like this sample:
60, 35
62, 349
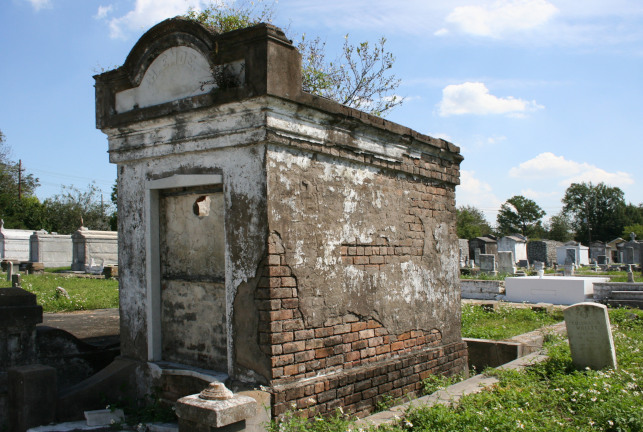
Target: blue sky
537, 93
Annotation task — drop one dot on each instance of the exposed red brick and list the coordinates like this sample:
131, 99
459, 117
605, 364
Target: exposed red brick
295, 324
279, 293
292, 347
396, 346
333, 340
304, 334
283, 314
350, 337
290, 303
282, 360
274, 260
291, 370
323, 352
365, 334
341, 329
323, 332
358, 345
352, 356
404, 336
279, 338
372, 324
358, 326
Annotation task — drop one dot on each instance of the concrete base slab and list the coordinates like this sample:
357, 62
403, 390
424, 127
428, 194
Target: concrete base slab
551, 289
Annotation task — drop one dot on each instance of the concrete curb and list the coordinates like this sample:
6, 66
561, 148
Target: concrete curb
451, 394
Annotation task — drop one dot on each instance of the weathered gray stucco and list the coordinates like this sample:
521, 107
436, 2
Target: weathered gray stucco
319, 205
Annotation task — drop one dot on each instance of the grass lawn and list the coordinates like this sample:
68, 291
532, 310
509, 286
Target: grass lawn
84, 293
504, 322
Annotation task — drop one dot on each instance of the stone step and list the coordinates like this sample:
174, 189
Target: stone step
626, 295
626, 303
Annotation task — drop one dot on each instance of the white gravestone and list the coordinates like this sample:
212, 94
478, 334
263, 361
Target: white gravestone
590, 336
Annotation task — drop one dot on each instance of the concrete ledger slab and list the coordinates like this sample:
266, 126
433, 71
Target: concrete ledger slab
551, 289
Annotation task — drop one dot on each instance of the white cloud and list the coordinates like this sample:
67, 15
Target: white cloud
474, 98
475, 192
103, 11
40, 4
502, 17
597, 175
149, 12
549, 166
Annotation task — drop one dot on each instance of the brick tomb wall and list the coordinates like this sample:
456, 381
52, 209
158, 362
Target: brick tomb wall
359, 358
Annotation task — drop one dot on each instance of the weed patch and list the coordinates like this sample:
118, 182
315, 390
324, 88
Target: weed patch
504, 322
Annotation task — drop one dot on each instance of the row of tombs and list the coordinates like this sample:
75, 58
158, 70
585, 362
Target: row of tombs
271, 239
526, 252
83, 250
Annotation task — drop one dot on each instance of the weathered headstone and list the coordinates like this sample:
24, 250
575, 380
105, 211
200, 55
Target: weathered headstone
9, 270
630, 274
488, 263
601, 259
539, 266
506, 262
15, 281
570, 257
590, 336
476, 256
629, 255
568, 270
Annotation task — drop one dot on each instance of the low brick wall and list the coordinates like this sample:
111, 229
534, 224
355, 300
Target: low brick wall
603, 290
359, 389
349, 362
482, 289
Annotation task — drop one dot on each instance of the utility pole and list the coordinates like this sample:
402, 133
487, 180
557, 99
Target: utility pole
19, 179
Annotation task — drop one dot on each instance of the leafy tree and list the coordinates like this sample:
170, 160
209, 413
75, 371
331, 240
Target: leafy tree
632, 215
360, 77
471, 223
559, 228
19, 207
520, 214
596, 211
64, 212
227, 17
113, 219
636, 229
